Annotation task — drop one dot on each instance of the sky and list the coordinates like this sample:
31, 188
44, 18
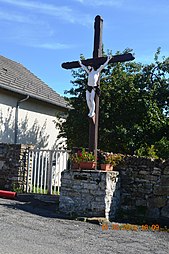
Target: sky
42, 34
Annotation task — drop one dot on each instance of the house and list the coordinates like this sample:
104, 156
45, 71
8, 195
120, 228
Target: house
28, 107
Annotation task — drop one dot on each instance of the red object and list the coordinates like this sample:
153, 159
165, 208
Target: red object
87, 165
106, 167
7, 194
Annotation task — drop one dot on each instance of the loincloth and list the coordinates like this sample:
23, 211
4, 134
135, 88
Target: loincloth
95, 88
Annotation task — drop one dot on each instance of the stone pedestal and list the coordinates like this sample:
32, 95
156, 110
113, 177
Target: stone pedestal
90, 193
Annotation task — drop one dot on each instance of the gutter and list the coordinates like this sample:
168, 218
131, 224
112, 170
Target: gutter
16, 117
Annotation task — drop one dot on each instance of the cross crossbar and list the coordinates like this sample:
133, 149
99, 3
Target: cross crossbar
98, 61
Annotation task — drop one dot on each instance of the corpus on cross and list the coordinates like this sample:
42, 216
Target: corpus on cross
96, 63
92, 85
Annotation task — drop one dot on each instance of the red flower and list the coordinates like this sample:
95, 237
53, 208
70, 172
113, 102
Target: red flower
79, 153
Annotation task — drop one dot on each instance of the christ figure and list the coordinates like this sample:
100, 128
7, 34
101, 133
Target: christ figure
92, 85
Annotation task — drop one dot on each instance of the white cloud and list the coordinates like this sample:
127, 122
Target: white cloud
26, 26
96, 3
53, 46
64, 13
15, 17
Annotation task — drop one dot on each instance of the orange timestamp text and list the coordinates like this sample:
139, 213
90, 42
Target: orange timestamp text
146, 227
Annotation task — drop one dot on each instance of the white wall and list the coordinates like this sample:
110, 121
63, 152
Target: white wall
35, 122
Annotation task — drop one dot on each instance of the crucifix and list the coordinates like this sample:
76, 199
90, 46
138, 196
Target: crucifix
96, 62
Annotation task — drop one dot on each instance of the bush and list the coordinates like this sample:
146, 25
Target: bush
147, 151
162, 148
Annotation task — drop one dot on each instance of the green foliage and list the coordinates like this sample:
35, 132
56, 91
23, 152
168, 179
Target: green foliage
147, 151
162, 148
109, 158
134, 108
82, 156
17, 188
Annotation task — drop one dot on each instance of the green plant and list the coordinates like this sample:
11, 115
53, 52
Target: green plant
42, 190
110, 158
17, 188
162, 147
81, 156
74, 158
147, 151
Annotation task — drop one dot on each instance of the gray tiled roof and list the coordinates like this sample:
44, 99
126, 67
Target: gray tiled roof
15, 77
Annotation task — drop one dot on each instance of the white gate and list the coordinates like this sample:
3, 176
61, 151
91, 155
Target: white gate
44, 170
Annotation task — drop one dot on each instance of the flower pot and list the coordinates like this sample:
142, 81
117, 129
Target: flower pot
106, 167
75, 166
87, 165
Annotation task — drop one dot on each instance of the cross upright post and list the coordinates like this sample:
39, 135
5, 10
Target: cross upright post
97, 52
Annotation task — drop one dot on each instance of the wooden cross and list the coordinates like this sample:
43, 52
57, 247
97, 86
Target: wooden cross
96, 61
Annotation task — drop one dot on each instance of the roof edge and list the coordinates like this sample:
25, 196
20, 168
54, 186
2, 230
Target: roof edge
15, 90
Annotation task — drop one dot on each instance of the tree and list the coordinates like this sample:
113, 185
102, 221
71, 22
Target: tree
134, 107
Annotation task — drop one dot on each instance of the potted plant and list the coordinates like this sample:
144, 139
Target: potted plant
85, 159
109, 160
74, 158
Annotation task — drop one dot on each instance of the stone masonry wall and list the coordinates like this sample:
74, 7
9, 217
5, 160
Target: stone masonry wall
140, 192
89, 193
144, 189
13, 166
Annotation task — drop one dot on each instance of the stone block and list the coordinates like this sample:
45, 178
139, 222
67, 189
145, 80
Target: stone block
81, 177
143, 172
66, 204
145, 167
126, 182
157, 202
152, 178
86, 191
102, 185
100, 199
2, 164
165, 180
141, 180
145, 188
103, 176
166, 170
76, 186
156, 171
99, 192
98, 205
153, 213
141, 202
90, 186
71, 194
66, 184
161, 190
165, 211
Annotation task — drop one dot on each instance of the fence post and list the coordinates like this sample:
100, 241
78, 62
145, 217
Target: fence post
50, 173
28, 171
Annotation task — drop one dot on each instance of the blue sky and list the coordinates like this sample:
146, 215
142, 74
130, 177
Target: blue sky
42, 34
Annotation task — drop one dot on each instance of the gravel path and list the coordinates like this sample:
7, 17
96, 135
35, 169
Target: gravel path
35, 228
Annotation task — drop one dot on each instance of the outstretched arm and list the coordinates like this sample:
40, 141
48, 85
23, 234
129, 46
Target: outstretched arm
103, 65
83, 66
